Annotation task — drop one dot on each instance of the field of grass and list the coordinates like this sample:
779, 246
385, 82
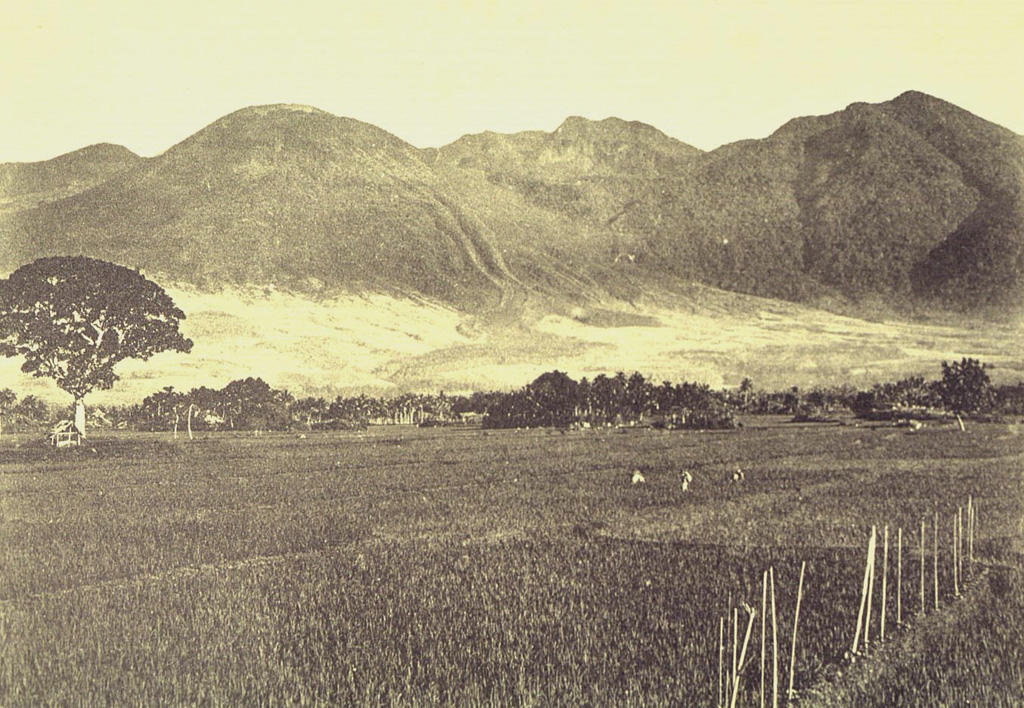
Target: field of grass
509, 568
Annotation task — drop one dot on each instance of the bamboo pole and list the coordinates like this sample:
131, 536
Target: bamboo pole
871, 588
922, 565
960, 542
743, 658
935, 558
796, 620
974, 532
728, 663
864, 592
721, 652
735, 643
764, 625
956, 579
899, 577
885, 583
775, 645
972, 512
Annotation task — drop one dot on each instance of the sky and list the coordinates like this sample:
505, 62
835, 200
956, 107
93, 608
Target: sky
149, 74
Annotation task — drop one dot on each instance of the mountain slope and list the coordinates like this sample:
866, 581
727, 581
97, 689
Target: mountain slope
387, 345
912, 203
911, 200
982, 260
293, 195
26, 184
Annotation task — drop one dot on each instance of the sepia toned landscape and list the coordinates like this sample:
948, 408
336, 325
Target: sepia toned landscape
488, 354
586, 539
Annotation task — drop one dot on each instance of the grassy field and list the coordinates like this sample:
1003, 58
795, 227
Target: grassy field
416, 567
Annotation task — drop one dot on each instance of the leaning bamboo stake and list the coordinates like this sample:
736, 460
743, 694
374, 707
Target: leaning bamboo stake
899, 577
764, 625
743, 658
728, 675
735, 643
864, 592
775, 646
935, 559
871, 588
796, 620
885, 583
721, 652
922, 565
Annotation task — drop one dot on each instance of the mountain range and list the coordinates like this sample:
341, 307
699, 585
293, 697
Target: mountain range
909, 200
904, 207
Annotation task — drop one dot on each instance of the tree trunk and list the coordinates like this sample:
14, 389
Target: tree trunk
80, 416
960, 422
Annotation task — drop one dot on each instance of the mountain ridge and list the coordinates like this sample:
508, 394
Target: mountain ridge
27, 184
908, 203
876, 202
277, 193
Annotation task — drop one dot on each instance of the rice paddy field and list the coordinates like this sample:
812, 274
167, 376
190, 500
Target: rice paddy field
438, 567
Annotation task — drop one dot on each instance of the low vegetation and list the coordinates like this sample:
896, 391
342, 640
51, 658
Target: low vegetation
406, 566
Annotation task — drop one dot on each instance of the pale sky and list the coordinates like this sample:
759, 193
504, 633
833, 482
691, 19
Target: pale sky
149, 74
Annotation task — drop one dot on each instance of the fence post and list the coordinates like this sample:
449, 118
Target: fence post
935, 559
956, 561
764, 625
885, 582
796, 621
864, 592
899, 577
922, 565
721, 652
775, 645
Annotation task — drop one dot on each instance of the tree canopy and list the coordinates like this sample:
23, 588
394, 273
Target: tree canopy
74, 318
965, 386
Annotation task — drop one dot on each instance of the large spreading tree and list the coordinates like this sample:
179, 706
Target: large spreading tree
74, 318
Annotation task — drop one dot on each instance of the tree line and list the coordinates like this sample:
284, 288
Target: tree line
553, 399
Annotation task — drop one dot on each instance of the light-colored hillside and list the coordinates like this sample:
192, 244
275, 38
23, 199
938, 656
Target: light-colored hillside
380, 344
